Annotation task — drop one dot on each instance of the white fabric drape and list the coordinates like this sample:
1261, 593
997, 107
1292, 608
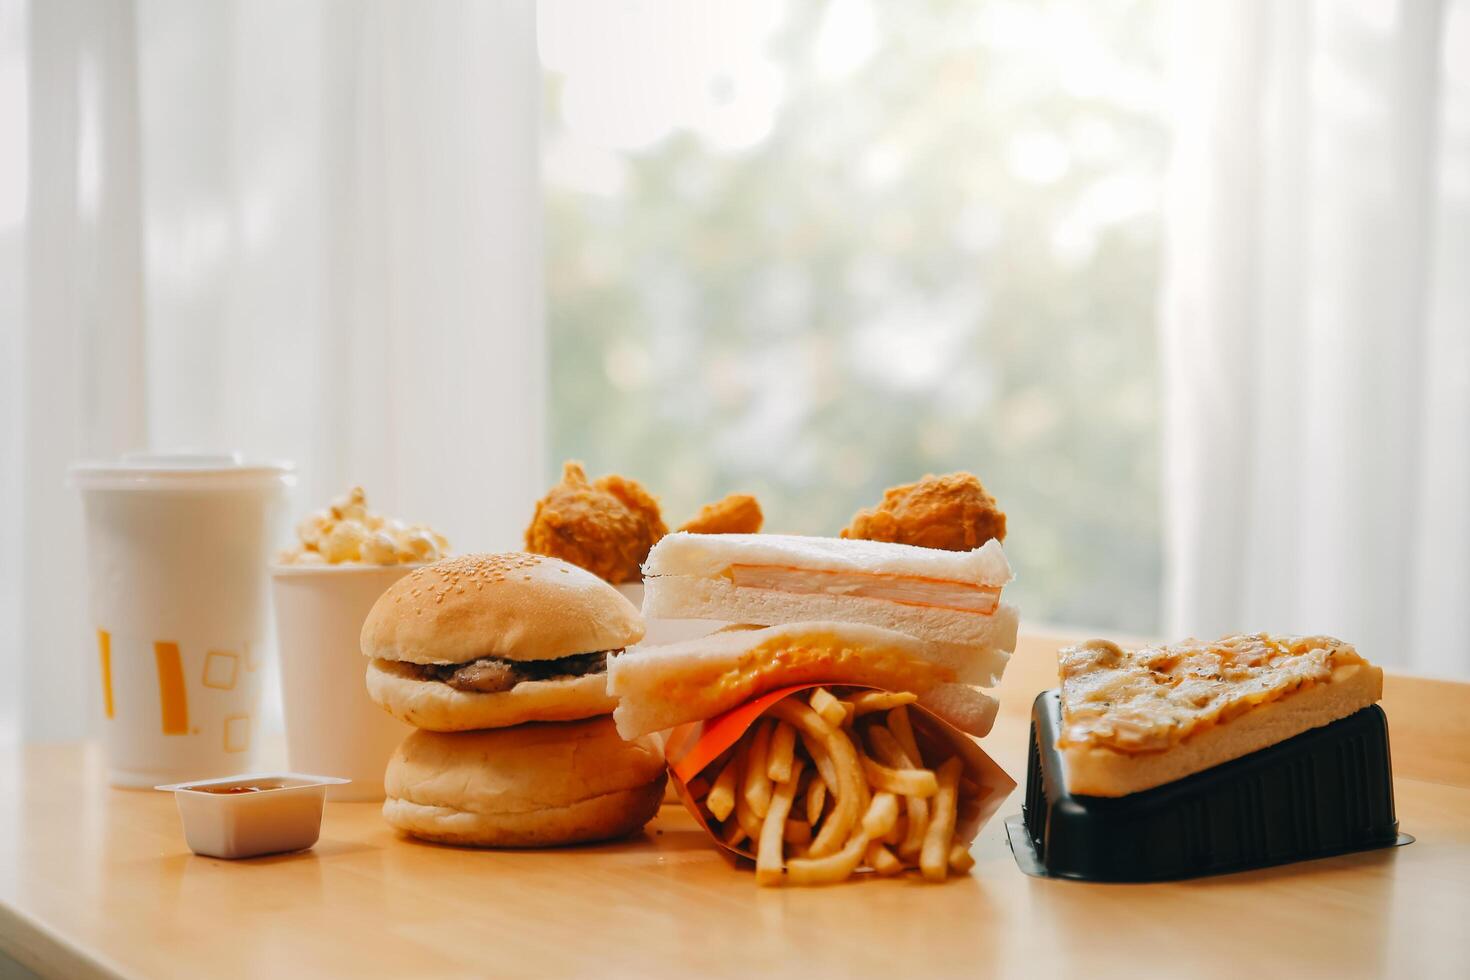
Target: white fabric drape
305, 231
1317, 325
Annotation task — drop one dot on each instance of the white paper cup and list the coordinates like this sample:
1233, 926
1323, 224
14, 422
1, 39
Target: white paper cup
332, 725
177, 550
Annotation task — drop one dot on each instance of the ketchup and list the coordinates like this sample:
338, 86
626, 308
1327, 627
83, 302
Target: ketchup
236, 790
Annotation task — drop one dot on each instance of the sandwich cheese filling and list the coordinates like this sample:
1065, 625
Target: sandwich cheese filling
1151, 699
494, 675
792, 660
907, 590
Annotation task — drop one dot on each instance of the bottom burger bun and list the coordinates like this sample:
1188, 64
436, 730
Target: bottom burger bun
440, 708
537, 785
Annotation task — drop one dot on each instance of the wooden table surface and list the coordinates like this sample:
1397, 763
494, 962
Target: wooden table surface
95, 881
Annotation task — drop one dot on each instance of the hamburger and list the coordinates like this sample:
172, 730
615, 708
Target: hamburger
500, 661
490, 641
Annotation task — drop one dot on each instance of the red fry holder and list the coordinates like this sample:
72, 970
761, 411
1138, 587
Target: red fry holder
694, 747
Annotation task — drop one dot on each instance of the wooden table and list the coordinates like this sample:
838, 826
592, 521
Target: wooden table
98, 882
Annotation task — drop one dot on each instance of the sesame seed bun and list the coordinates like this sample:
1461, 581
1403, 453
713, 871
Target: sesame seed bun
529, 786
513, 606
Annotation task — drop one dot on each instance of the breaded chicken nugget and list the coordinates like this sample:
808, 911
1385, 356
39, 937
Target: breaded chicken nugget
606, 527
739, 513
952, 513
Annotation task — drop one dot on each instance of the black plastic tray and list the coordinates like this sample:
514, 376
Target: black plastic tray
1325, 791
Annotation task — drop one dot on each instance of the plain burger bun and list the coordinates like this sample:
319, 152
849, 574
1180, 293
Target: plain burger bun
514, 606
440, 708
529, 786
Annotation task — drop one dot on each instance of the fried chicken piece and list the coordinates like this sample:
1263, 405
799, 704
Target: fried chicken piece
952, 513
605, 527
739, 513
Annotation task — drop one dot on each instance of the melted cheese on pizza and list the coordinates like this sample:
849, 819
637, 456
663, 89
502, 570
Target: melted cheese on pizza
1151, 699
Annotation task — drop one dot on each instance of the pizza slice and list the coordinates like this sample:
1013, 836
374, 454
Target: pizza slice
1133, 720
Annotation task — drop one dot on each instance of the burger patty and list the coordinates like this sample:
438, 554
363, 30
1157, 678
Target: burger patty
492, 675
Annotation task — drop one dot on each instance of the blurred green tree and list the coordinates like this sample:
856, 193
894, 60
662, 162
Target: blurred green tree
945, 258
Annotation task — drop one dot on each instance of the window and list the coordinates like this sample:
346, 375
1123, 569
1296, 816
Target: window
814, 250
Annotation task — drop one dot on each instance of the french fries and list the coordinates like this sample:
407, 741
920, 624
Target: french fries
778, 758
832, 710
798, 832
757, 789
934, 858
881, 816
773, 831
886, 744
816, 799
895, 833
848, 795
831, 869
827, 783
903, 732
867, 702
721, 798
903, 782
746, 817
881, 860
916, 814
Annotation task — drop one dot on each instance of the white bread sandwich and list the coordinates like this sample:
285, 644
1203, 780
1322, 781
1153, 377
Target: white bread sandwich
658, 687
488, 641
946, 598
1133, 720
528, 786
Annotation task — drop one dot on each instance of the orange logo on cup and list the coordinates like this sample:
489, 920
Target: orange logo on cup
173, 697
104, 652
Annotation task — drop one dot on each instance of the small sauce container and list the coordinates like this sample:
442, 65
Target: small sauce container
246, 816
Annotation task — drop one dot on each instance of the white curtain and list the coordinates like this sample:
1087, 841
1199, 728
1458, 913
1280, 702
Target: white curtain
302, 230
1317, 325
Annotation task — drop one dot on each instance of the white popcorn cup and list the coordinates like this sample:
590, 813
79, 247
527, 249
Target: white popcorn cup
332, 726
177, 550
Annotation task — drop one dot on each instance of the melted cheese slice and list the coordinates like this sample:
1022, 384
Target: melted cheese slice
1151, 699
799, 660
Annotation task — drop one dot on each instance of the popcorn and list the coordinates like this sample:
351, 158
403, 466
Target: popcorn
347, 532
351, 506
312, 530
421, 543
380, 549
344, 542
